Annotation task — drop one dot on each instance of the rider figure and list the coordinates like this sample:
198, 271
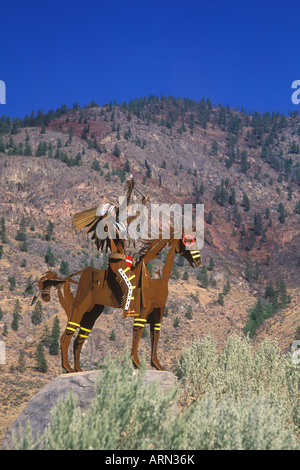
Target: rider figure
118, 238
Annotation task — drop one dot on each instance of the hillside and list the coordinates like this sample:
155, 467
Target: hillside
244, 168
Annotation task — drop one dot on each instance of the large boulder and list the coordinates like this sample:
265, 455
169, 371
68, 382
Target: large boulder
82, 385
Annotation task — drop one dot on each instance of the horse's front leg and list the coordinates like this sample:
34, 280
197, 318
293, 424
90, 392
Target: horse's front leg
86, 326
155, 326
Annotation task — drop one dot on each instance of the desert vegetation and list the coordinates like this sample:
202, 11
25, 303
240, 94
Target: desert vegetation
242, 398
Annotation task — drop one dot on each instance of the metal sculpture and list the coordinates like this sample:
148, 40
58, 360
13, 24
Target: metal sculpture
125, 284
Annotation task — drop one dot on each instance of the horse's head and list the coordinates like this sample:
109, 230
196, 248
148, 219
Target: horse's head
187, 248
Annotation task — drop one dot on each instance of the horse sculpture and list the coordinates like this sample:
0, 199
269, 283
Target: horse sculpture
126, 283
120, 286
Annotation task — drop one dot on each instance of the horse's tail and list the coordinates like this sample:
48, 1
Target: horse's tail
48, 280
51, 279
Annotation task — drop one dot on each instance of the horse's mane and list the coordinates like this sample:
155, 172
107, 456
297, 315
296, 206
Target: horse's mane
151, 244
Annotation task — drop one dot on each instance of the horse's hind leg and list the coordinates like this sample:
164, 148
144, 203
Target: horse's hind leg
86, 326
138, 326
82, 303
155, 325
64, 344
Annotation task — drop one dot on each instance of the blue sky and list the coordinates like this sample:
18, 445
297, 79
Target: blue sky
237, 53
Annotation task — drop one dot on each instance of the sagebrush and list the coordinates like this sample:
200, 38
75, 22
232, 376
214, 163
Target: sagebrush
239, 399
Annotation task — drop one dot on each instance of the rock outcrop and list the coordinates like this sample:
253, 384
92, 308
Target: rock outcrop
82, 385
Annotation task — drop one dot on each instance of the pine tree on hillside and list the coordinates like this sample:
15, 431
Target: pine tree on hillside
201, 188
41, 361
244, 161
282, 212
16, 316
231, 198
112, 336
5, 329
283, 296
148, 170
249, 272
96, 165
202, 276
127, 166
37, 315
3, 236
64, 268
46, 337
21, 233
2, 146
55, 334
24, 247
12, 283
257, 224
116, 151
185, 275
271, 295
257, 315
214, 148
175, 274
221, 194
49, 231
28, 288
189, 312
246, 202
237, 217
211, 264
220, 299
49, 257
21, 362
226, 287
210, 217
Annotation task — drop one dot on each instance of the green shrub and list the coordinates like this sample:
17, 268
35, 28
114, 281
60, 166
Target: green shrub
247, 423
238, 371
238, 399
125, 414
195, 366
276, 299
